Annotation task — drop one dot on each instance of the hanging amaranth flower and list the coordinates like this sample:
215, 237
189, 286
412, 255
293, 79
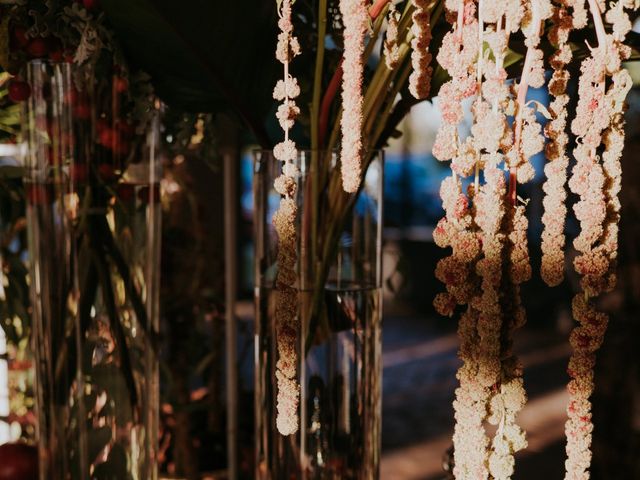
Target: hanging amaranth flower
555, 211
469, 405
457, 55
391, 50
286, 296
356, 22
599, 127
511, 397
420, 79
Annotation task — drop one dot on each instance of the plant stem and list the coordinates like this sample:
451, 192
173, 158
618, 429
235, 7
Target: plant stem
317, 78
123, 270
597, 22
376, 8
116, 324
315, 142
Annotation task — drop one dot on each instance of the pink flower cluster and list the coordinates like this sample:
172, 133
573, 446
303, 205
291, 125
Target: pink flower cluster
528, 139
469, 437
355, 17
511, 397
391, 51
490, 377
454, 231
490, 210
596, 179
555, 211
286, 297
457, 55
420, 79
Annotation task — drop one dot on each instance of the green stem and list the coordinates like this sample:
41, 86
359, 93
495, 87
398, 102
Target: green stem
315, 106
123, 270
317, 78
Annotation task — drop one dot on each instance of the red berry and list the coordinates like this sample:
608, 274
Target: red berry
91, 4
20, 36
82, 110
106, 138
101, 125
56, 55
19, 90
37, 47
121, 84
18, 461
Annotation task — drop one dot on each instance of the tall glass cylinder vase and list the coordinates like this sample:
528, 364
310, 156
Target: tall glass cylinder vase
94, 220
338, 317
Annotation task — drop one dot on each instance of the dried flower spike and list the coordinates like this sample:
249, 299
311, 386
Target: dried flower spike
286, 297
391, 50
356, 21
596, 180
420, 79
555, 211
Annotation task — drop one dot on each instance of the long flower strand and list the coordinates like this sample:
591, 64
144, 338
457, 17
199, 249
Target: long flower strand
599, 127
555, 210
356, 21
511, 396
286, 318
458, 55
391, 50
420, 79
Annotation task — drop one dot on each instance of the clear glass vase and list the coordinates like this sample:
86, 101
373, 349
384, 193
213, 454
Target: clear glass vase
94, 230
338, 289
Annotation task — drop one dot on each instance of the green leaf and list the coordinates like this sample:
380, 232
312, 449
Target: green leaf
512, 57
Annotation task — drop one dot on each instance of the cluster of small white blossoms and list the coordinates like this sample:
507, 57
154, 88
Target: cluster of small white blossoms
489, 273
527, 140
506, 405
286, 300
555, 210
355, 17
390, 47
596, 179
420, 79
459, 231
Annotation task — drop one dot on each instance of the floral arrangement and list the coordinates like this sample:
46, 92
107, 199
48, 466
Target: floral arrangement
460, 51
486, 225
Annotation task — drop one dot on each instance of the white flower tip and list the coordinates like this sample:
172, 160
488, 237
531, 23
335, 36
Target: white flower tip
287, 425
